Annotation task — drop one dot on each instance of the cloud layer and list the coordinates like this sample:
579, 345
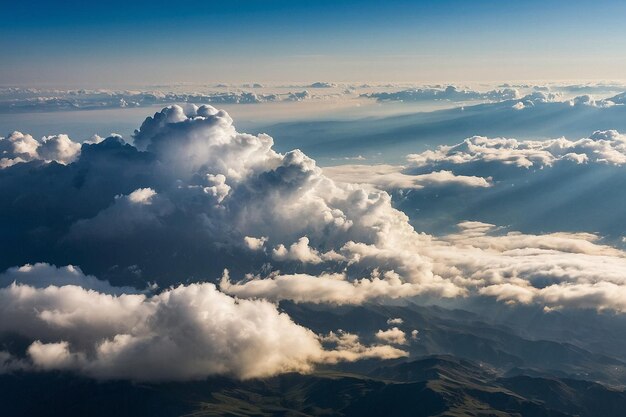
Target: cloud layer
601, 147
185, 332
391, 177
192, 197
448, 93
18, 100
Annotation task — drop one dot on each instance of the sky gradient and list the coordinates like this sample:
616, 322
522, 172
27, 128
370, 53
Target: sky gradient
119, 43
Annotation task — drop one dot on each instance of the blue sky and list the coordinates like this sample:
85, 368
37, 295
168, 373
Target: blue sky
139, 42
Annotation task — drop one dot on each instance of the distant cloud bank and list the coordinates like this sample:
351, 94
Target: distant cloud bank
17, 99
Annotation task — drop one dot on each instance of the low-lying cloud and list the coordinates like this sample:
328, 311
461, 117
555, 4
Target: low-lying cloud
601, 147
392, 177
185, 332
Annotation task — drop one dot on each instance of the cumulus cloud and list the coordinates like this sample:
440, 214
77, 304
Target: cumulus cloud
349, 348
59, 148
556, 270
204, 180
546, 96
299, 251
185, 332
589, 100
18, 147
394, 336
254, 243
601, 147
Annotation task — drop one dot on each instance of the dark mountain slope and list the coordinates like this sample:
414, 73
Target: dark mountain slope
433, 386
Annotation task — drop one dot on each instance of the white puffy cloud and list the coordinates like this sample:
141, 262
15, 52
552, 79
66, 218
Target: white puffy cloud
349, 348
394, 336
19, 147
537, 97
59, 148
299, 251
601, 147
555, 270
54, 356
142, 196
254, 243
185, 332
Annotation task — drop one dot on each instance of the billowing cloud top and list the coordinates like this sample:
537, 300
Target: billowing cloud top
18, 147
